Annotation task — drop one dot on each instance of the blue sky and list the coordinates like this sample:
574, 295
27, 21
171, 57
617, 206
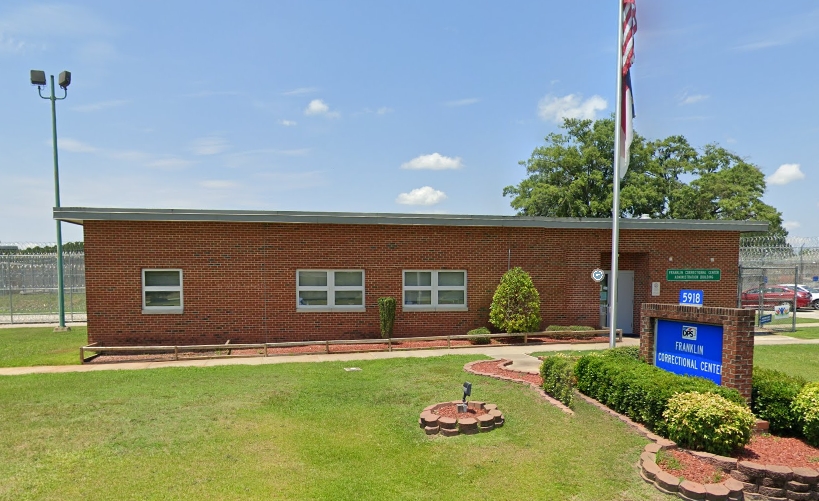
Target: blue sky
381, 106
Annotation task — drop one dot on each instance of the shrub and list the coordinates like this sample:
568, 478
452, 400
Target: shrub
636, 389
806, 407
557, 372
479, 336
516, 303
386, 314
708, 422
772, 396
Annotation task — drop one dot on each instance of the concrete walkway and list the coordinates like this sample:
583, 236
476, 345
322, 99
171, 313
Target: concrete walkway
519, 355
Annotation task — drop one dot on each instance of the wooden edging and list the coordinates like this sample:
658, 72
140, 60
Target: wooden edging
228, 347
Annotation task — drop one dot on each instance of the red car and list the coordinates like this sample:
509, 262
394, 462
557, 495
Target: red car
774, 295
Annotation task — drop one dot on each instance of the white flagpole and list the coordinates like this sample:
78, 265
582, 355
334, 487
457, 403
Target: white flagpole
615, 211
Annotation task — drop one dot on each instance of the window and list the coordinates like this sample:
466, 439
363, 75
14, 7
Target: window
162, 291
326, 290
443, 290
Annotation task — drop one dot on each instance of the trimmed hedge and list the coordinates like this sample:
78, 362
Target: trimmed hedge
516, 303
636, 389
557, 372
708, 422
806, 406
386, 316
479, 336
772, 396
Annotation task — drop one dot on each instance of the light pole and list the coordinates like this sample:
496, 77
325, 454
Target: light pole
38, 79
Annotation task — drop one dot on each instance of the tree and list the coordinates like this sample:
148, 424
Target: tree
516, 304
572, 176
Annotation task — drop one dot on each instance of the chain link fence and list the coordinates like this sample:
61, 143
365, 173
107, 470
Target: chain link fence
28, 287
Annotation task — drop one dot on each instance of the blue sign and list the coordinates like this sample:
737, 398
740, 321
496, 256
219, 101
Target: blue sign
690, 298
816, 279
689, 348
764, 319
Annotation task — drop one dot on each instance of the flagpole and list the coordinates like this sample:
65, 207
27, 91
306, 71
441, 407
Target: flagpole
615, 211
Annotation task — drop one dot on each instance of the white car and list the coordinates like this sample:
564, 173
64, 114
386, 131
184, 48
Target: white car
813, 290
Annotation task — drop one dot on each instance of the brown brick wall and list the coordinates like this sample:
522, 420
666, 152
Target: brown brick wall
737, 338
239, 278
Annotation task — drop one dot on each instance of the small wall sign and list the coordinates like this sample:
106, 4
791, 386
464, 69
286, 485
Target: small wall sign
695, 274
691, 297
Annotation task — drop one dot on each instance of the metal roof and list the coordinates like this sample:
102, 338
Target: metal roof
79, 215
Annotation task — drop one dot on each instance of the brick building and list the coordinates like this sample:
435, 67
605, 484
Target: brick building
166, 276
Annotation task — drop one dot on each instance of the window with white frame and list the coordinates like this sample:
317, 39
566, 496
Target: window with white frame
325, 290
435, 290
162, 291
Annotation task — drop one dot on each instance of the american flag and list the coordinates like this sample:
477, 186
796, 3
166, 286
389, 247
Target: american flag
629, 28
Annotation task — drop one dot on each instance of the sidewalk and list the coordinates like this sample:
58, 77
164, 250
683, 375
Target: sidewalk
521, 361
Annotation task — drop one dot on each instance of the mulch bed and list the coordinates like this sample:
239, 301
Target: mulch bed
451, 411
763, 449
319, 349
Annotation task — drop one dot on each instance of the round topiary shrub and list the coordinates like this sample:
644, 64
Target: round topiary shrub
806, 407
516, 303
708, 422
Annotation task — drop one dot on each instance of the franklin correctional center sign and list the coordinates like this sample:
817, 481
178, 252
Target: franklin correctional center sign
689, 348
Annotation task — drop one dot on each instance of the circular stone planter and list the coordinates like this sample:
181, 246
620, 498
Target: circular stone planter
480, 418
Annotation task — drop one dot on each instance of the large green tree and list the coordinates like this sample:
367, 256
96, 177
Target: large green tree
572, 176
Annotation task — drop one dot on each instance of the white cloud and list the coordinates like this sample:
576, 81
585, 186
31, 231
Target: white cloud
435, 161
384, 110
786, 173
695, 98
421, 196
555, 108
791, 225
462, 102
211, 145
300, 91
218, 184
287, 123
100, 105
74, 146
319, 107
170, 163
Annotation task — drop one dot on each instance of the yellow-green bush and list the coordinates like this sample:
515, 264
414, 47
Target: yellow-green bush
806, 408
708, 422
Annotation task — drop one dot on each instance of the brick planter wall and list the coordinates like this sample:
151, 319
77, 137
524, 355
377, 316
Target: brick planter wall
737, 338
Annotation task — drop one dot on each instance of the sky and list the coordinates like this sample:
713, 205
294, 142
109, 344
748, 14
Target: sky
374, 106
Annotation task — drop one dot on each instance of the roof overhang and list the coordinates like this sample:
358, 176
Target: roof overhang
79, 215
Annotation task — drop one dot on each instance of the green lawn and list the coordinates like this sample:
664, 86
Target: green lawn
300, 431
795, 359
41, 303
804, 333
27, 346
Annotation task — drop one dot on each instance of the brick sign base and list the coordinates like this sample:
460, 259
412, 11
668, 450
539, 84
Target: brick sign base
737, 344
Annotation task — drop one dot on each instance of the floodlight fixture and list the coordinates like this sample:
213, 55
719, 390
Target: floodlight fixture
65, 79
38, 77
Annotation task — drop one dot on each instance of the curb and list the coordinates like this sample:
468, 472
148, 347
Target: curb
502, 363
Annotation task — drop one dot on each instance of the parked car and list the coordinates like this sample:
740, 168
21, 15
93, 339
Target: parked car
812, 289
774, 295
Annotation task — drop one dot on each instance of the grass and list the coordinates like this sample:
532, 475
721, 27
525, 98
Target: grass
41, 303
27, 346
300, 431
794, 359
804, 333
